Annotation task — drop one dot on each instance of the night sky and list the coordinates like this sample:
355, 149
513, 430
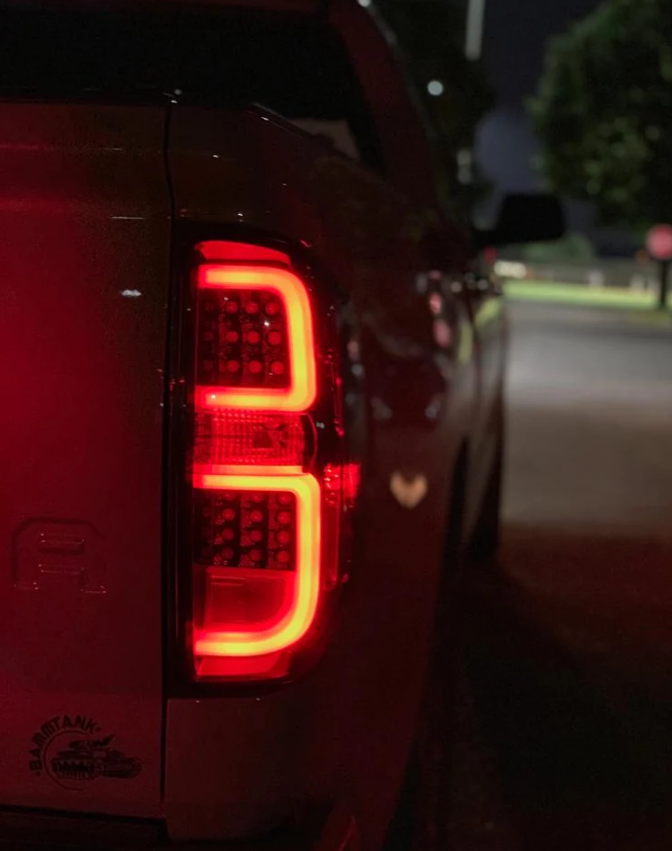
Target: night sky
515, 34
513, 51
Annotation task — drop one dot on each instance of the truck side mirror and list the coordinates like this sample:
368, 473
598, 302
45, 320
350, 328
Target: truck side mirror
526, 218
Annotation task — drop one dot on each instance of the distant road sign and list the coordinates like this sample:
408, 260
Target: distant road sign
659, 242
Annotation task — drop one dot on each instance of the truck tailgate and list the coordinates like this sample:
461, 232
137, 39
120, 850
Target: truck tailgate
84, 271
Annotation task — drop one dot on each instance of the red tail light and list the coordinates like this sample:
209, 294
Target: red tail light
262, 582
265, 473
255, 345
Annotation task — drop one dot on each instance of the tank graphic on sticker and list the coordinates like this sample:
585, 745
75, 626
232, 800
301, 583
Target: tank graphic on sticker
73, 751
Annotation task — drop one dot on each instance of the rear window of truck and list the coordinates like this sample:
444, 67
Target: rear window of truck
216, 56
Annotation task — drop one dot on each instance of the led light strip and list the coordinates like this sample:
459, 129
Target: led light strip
294, 624
302, 390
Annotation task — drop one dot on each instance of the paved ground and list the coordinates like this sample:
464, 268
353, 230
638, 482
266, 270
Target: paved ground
564, 740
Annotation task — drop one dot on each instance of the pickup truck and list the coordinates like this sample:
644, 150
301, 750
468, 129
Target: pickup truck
252, 415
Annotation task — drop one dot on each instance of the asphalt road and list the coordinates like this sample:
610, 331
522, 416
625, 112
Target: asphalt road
563, 740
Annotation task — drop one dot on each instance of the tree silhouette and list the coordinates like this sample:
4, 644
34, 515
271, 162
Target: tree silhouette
603, 112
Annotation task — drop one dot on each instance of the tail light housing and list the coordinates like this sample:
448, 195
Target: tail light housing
262, 464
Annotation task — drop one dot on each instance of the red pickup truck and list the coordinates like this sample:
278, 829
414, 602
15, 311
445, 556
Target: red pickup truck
252, 406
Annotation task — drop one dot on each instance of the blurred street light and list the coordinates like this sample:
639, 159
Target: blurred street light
475, 19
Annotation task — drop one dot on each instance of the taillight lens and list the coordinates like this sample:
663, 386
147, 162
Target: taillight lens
255, 339
265, 470
259, 542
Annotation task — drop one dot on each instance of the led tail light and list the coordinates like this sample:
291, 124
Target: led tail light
265, 490
260, 549
255, 339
